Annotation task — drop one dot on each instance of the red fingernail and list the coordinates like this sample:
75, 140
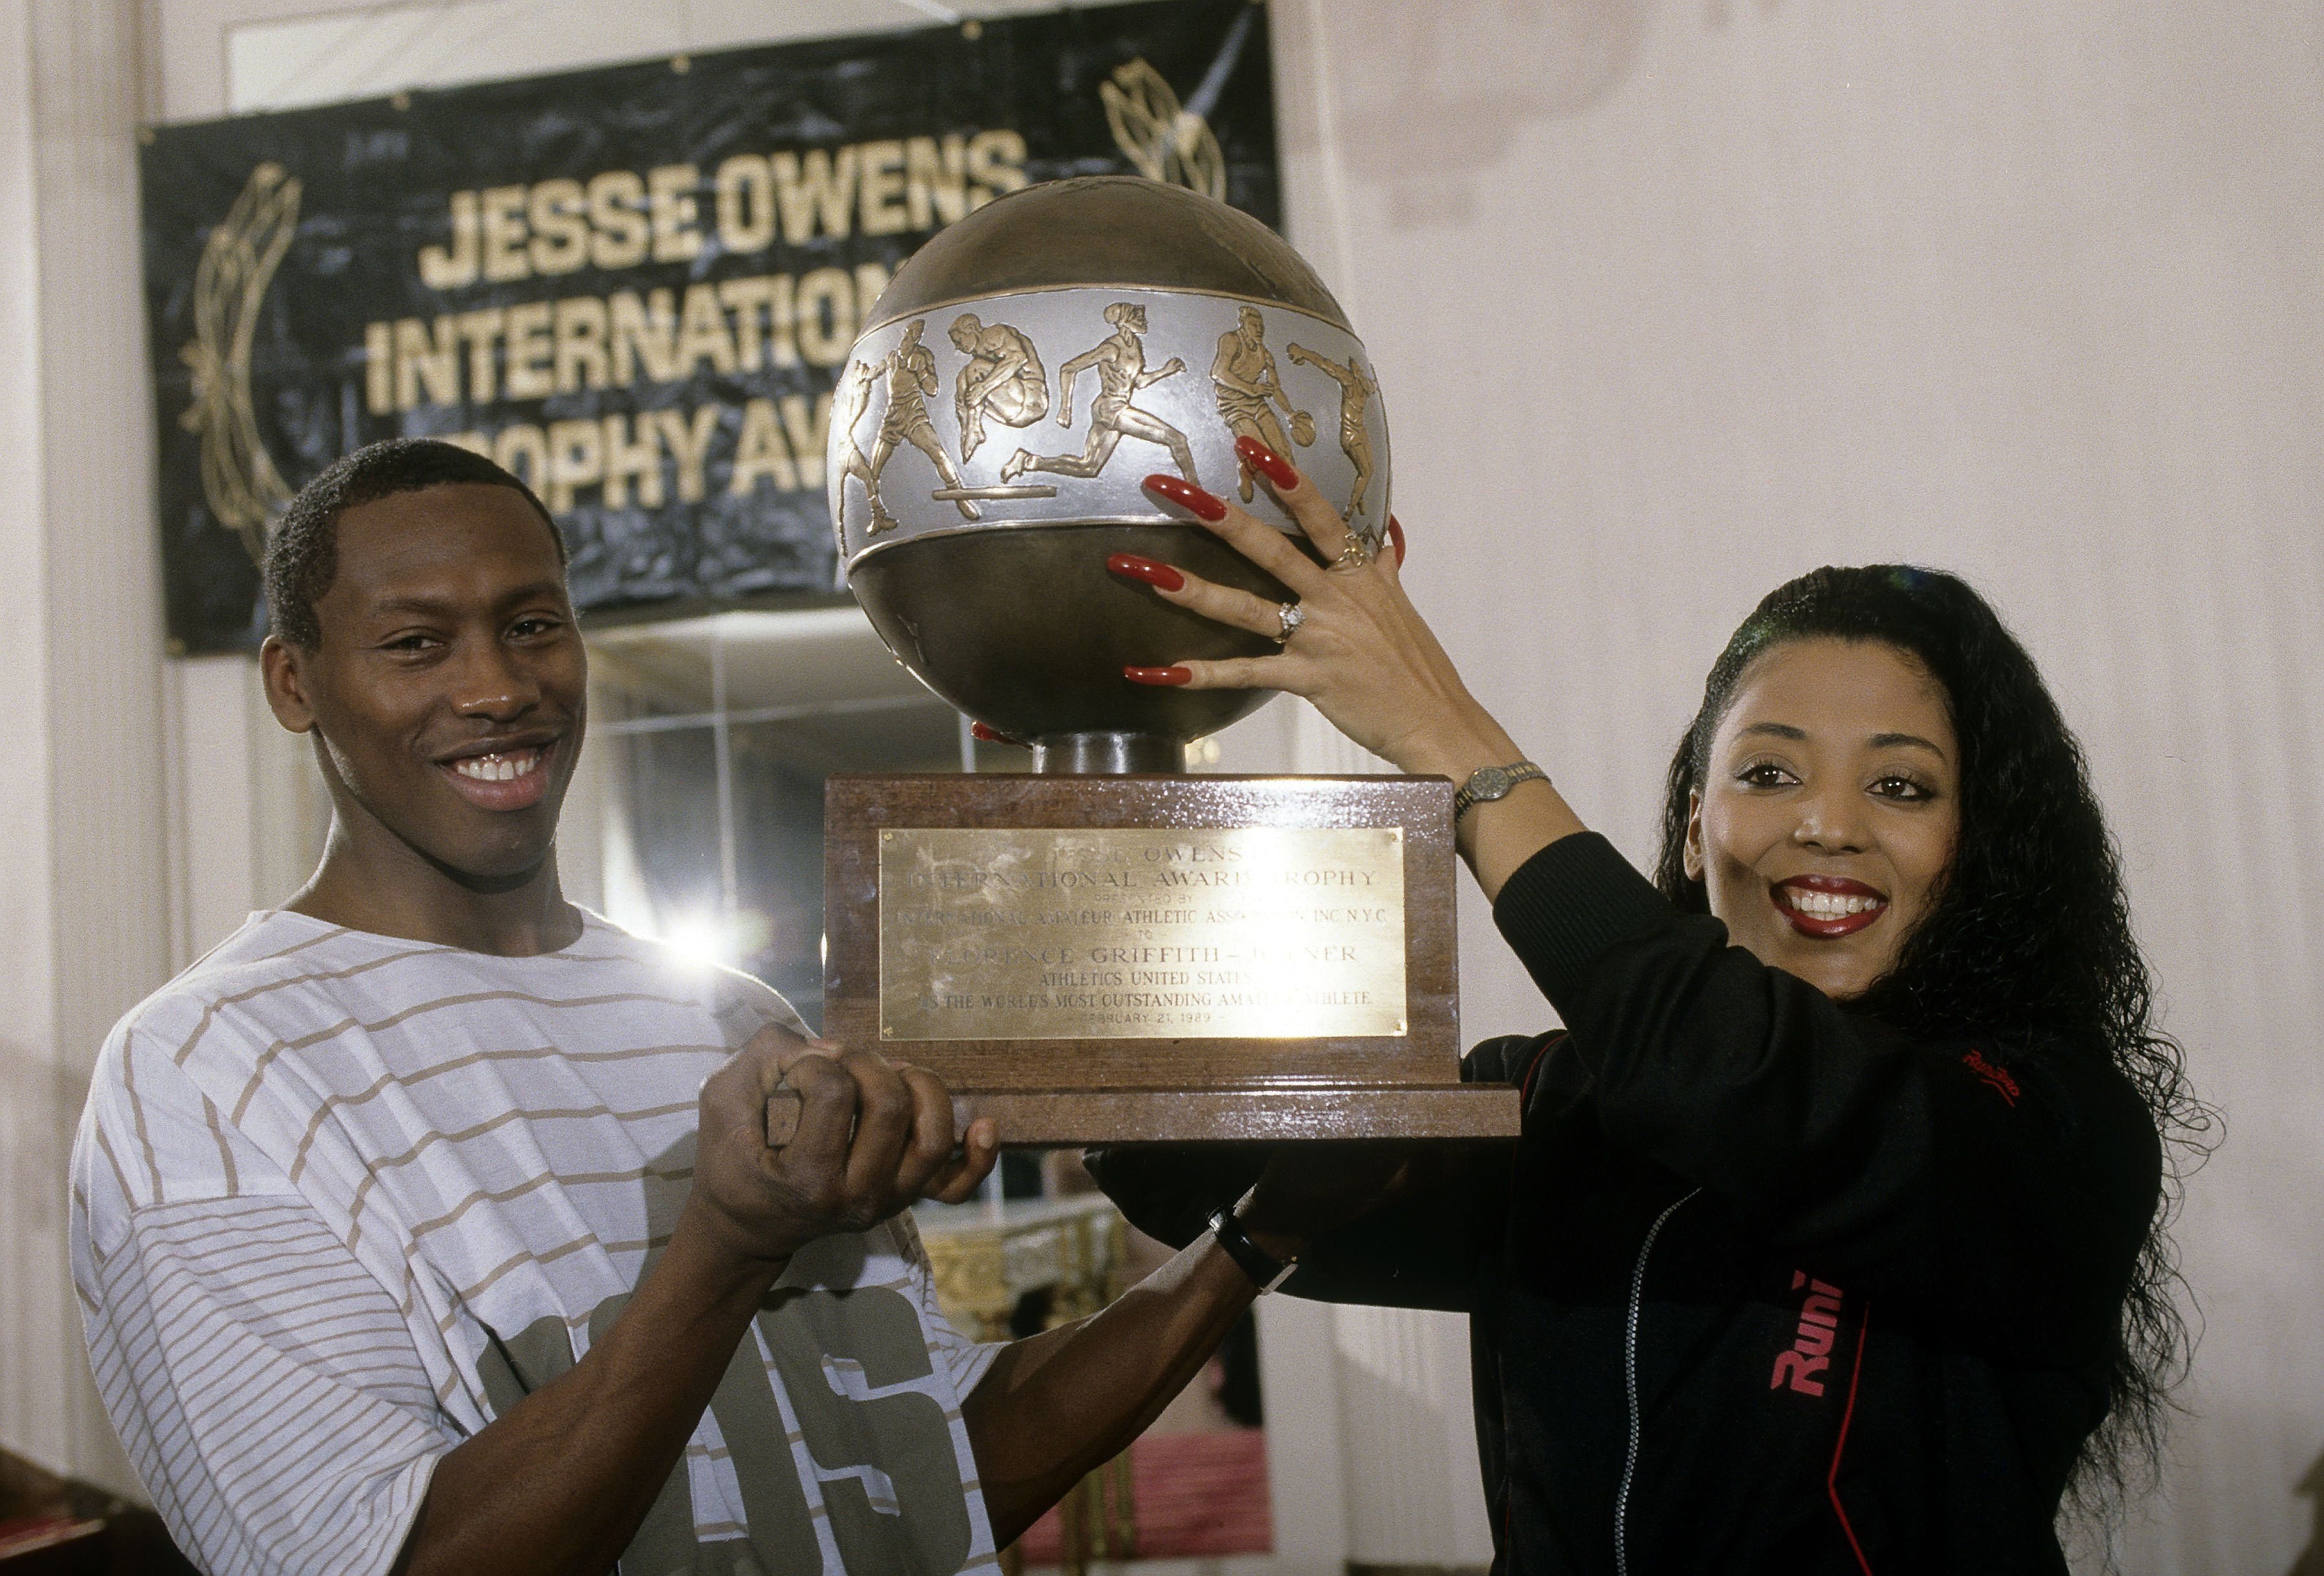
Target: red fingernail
1158, 675
992, 735
1161, 577
1186, 496
1267, 463
1396, 538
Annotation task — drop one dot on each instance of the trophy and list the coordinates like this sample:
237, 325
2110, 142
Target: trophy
1106, 949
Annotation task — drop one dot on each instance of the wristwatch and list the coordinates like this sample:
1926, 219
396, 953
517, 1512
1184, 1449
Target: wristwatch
1492, 782
1266, 1270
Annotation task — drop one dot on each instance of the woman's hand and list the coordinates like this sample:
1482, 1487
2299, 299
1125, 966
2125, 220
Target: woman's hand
1357, 648
1310, 1190
1361, 652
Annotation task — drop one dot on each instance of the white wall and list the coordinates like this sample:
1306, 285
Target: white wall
1672, 300
84, 851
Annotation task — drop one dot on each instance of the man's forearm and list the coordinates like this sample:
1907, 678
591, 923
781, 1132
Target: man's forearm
560, 1483
1056, 1406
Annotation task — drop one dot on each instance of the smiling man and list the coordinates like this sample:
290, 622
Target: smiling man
428, 1223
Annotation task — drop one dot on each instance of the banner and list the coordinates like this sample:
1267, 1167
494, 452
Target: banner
633, 285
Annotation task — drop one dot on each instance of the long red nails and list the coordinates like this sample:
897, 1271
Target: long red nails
1267, 463
1396, 538
1158, 675
1161, 577
992, 735
1186, 496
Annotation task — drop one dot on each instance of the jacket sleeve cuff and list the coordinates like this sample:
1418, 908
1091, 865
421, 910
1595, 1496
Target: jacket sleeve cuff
1568, 904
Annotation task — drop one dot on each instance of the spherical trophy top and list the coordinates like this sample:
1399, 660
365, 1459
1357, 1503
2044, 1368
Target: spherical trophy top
1023, 373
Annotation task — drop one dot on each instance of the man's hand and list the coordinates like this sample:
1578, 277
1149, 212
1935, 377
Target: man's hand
873, 1136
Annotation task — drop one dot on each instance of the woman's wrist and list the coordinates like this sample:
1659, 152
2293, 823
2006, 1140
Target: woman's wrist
1466, 742
1280, 1242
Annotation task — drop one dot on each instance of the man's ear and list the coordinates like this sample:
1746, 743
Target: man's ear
279, 668
1693, 851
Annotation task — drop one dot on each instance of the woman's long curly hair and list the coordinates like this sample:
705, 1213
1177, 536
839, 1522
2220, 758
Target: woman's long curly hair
2029, 941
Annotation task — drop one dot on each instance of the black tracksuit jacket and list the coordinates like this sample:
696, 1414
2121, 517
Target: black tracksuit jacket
1765, 1287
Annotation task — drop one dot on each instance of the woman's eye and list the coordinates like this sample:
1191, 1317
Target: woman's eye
1762, 774
1894, 787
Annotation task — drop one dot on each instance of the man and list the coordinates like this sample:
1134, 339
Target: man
429, 1224
1357, 392
848, 403
911, 370
1002, 378
1120, 363
1243, 378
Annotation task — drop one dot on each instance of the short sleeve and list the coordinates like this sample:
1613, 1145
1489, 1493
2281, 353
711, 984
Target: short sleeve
964, 1360
266, 1383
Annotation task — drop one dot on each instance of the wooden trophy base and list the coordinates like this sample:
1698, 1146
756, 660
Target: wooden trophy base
1109, 959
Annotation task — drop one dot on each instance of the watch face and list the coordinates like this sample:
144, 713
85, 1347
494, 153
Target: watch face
1490, 783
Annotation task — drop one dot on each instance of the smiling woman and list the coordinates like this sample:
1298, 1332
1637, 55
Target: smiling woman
1833, 1240
1823, 832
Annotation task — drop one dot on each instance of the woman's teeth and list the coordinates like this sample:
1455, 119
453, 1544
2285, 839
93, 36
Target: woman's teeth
1828, 905
496, 767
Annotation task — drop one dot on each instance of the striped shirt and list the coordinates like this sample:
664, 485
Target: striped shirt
339, 1200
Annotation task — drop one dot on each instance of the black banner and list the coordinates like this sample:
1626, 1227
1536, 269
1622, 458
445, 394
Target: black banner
635, 286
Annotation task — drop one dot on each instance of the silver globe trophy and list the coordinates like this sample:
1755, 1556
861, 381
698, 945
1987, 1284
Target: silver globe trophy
1106, 949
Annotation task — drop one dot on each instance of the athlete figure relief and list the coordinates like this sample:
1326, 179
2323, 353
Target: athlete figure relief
1002, 378
847, 408
1357, 389
910, 369
1245, 380
1121, 364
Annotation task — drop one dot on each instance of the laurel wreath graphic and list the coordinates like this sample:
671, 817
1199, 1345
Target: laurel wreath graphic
239, 480
1163, 138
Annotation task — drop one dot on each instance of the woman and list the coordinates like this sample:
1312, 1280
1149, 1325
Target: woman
1833, 1241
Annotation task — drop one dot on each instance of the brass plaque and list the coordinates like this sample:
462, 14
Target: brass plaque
1139, 933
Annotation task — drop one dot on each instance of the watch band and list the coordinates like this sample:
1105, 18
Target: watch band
1489, 783
1266, 1270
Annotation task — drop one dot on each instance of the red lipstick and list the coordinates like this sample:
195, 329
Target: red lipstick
1827, 907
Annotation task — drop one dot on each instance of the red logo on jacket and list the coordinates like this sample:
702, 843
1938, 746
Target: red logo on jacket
1802, 1367
1995, 1078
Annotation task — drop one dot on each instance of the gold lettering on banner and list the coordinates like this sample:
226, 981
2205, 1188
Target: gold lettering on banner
559, 211
619, 219
1140, 933
670, 203
239, 480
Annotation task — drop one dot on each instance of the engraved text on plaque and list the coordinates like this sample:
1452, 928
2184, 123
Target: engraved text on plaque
1125, 933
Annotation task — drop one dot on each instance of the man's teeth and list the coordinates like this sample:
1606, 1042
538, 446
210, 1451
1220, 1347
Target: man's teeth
496, 767
1828, 905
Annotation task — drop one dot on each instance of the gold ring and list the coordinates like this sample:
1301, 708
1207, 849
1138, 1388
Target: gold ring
1353, 555
1291, 615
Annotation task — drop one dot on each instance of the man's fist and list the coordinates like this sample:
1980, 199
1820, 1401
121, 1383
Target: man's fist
871, 1137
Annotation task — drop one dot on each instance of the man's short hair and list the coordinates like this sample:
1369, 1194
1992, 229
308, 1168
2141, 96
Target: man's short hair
302, 555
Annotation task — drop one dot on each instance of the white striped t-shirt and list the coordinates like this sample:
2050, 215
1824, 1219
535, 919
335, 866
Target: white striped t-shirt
341, 1199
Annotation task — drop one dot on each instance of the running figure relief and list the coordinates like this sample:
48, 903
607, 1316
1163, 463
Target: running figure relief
847, 408
1245, 379
1121, 364
1357, 390
911, 372
1003, 379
